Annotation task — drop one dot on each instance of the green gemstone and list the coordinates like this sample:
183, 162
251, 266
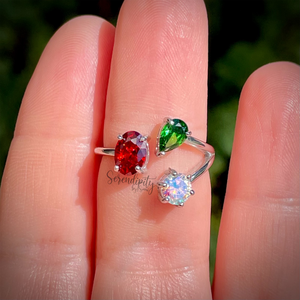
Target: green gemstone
172, 135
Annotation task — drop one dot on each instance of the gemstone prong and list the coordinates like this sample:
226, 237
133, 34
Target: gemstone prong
189, 177
165, 199
139, 169
170, 121
178, 188
162, 184
189, 133
160, 153
120, 137
192, 192
172, 171
144, 138
117, 168
180, 205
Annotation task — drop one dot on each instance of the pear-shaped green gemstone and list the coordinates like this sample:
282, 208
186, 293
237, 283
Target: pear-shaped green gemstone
172, 135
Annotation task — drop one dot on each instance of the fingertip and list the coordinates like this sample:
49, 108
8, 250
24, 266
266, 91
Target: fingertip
63, 86
265, 154
259, 233
49, 183
268, 80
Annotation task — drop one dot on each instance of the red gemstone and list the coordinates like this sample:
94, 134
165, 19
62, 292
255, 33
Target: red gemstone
131, 152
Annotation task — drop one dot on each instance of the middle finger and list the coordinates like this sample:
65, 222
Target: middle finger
159, 68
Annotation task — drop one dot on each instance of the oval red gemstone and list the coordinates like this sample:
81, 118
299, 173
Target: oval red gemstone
131, 152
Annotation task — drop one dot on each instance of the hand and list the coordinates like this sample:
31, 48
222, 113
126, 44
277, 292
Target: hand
58, 242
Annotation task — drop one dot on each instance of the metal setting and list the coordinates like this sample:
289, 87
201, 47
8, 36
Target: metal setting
111, 152
144, 138
165, 121
166, 192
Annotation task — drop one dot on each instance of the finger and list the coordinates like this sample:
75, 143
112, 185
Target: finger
48, 187
159, 68
258, 246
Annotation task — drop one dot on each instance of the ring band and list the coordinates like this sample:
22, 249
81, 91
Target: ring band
209, 155
105, 151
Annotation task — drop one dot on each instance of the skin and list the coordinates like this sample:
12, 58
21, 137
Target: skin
65, 233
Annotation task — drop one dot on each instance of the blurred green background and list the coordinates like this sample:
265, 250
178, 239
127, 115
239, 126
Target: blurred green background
243, 35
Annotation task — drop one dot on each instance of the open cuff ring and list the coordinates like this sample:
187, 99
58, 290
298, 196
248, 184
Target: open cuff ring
173, 187
132, 154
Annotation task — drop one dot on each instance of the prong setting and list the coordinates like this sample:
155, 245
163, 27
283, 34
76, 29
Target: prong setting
162, 184
144, 138
172, 133
174, 188
178, 186
165, 200
116, 168
173, 172
140, 170
160, 153
131, 154
170, 121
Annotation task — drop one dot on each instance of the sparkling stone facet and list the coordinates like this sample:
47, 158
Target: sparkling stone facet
178, 188
131, 152
172, 135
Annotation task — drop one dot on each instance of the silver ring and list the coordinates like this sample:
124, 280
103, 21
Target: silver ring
173, 187
131, 153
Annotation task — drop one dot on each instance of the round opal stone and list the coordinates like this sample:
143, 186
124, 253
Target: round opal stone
178, 188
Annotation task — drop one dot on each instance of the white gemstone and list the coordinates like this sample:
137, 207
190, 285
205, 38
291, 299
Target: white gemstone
178, 188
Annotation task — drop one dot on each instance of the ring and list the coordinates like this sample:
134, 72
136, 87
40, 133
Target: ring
131, 153
173, 187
